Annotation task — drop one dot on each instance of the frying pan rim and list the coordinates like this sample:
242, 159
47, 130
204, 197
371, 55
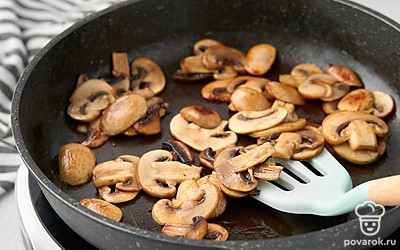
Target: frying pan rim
59, 194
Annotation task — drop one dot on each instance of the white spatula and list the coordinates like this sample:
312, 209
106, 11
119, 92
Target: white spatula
327, 193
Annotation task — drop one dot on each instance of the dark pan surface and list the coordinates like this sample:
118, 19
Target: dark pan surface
315, 31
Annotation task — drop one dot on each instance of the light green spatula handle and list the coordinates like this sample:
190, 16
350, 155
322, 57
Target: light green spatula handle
385, 191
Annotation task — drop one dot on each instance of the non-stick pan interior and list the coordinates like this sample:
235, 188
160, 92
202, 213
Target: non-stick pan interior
315, 31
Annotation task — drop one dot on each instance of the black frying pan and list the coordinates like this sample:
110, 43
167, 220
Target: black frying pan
316, 31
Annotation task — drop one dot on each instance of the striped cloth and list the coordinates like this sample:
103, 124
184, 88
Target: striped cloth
25, 27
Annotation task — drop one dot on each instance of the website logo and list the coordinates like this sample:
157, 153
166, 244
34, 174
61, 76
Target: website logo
370, 215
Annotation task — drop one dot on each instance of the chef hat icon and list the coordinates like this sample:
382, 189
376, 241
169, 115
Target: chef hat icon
370, 215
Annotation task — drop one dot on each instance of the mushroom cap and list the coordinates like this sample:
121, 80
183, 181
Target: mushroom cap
222, 202
330, 107
344, 75
123, 113
202, 202
112, 172
339, 90
179, 150
118, 196
148, 74
317, 86
245, 122
89, 99
194, 64
196, 231
312, 143
260, 58
76, 163
95, 137
302, 71
361, 157
156, 168
383, 104
248, 99
201, 45
200, 138
102, 207
334, 125
284, 93
217, 56
216, 232
217, 91
202, 116
357, 100
283, 127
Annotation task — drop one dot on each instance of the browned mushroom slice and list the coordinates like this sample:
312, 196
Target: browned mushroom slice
246, 122
179, 151
216, 233
203, 44
217, 56
285, 93
81, 79
339, 90
286, 145
202, 202
150, 124
330, 107
181, 76
361, 157
146, 93
357, 100
96, 137
194, 64
259, 59
317, 86
359, 128
121, 70
195, 231
102, 207
311, 145
248, 99
302, 71
158, 174
89, 99
288, 79
76, 163
222, 202
202, 116
216, 91
290, 108
116, 196
283, 127
112, 172
200, 138
124, 112
132, 184
344, 75
243, 181
225, 72
207, 157
147, 74
383, 104
251, 157
267, 171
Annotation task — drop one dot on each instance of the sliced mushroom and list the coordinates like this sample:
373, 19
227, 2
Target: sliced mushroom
330, 107
179, 151
102, 207
357, 100
260, 58
267, 171
202, 116
202, 202
132, 184
96, 137
200, 138
89, 99
124, 112
112, 172
116, 196
158, 174
225, 72
217, 56
312, 143
317, 86
284, 93
251, 157
207, 157
286, 145
246, 122
194, 64
361, 157
216, 233
81, 79
290, 108
195, 231
76, 163
283, 127
216, 91
150, 124
222, 202
121, 70
181, 76
344, 75
288, 79
302, 71
147, 74
383, 104
353, 126
244, 99
203, 44
147, 93
339, 90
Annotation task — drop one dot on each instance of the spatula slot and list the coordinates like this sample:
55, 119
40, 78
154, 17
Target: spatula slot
294, 176
283, 185
312, 168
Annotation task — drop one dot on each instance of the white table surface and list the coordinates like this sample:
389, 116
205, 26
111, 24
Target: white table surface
10, 234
